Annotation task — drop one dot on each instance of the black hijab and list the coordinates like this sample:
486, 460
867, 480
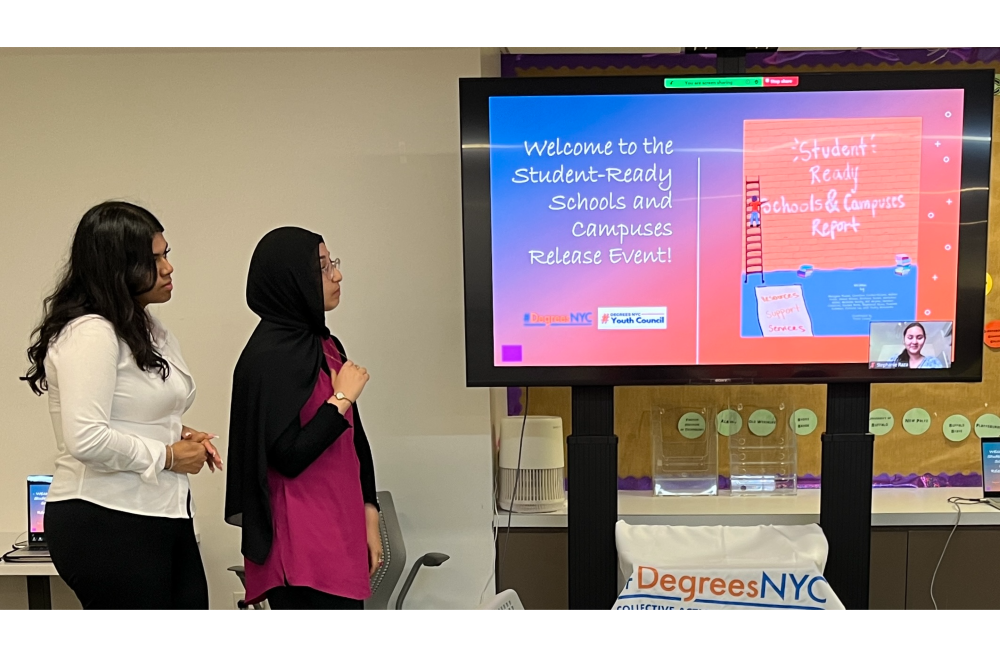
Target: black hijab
275, 375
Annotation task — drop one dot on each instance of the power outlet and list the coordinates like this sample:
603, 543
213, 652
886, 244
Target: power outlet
238, 598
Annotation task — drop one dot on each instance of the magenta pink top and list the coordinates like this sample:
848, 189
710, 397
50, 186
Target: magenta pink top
320, 538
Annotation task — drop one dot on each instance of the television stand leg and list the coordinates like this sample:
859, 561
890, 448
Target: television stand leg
593, 499
846, 491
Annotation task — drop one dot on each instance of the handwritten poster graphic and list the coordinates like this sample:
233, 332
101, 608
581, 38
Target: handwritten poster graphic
838, 211
701, 207
782, 311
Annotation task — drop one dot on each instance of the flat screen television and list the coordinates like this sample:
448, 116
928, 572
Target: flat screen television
774, 229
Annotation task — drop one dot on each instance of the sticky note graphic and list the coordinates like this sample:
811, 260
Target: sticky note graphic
781, 311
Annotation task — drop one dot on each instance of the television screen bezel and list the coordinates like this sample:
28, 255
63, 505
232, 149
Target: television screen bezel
474, 95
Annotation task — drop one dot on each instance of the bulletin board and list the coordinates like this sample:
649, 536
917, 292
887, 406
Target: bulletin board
926, 434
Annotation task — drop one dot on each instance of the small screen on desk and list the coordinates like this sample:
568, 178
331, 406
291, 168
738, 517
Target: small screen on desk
991, 466
38, 492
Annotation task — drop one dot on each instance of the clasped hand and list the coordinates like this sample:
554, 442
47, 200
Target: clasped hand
194, 451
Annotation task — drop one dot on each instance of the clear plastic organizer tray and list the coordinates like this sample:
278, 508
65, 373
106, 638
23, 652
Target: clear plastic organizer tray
763, 453
685, 445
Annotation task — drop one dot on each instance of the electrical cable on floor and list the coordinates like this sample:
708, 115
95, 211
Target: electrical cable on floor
496, 528
517, 479
957, 502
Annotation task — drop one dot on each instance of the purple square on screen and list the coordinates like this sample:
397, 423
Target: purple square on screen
510, 353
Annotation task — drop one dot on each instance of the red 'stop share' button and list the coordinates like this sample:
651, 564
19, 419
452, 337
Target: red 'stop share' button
785, 81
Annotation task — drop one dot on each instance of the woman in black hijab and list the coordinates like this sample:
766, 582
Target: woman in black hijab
301, 482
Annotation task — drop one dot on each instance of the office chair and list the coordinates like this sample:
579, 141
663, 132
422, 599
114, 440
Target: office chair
384, 580
431, 560
504, 601
241, 573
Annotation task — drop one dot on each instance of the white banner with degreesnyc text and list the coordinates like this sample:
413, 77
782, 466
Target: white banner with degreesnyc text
663, 588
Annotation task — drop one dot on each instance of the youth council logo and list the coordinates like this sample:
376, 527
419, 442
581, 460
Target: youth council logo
572, 319
632, 318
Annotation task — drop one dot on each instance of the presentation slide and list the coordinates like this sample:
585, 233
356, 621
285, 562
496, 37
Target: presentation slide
991, 467
737, 228
36, 506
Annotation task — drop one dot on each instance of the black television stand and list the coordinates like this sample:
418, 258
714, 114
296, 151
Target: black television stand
845, 496
592, 487
846, 491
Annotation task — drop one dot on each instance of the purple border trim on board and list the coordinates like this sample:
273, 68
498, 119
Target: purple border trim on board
902, 56
514, 401
635, 483
811, 481
510, 63
943, 480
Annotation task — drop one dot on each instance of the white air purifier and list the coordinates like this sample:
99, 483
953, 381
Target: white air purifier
540, 485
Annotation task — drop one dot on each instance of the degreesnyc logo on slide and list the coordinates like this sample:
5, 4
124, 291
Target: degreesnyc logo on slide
559, 319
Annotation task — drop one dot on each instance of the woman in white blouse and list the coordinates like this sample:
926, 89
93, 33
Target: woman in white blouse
118, 519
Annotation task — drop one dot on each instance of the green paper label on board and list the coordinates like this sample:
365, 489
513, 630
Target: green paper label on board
916, 421
880, 422
988, 426
691, 425
803, 421
957, 428
762, 422
728, 422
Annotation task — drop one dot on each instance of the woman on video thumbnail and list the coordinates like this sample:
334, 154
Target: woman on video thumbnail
914, 337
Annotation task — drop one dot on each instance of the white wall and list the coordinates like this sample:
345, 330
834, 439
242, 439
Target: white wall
359, 145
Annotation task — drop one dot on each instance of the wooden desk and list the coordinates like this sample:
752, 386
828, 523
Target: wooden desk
36, 575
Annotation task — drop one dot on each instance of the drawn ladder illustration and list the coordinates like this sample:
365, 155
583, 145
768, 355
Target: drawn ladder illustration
753, 243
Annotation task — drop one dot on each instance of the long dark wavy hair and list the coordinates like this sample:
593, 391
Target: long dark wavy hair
111, 263
905, 356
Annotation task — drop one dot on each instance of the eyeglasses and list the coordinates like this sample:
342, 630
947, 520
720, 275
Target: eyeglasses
329, 268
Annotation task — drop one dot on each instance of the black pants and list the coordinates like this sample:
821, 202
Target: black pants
303, 597
117, 560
